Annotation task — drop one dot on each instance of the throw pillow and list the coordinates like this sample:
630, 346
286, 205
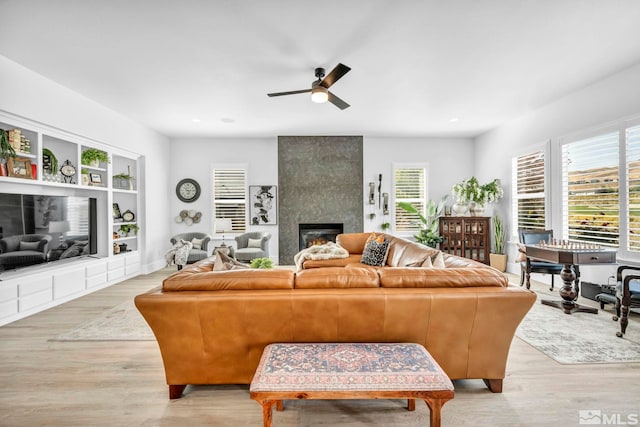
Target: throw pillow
375, 251
224, 262
197, 243
427, 263
437, 260
29, 246
254, 243
73, 250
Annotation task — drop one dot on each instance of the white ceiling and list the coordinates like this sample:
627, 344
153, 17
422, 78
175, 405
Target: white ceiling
416, 64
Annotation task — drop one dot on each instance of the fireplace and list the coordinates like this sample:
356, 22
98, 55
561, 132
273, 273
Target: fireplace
318, 234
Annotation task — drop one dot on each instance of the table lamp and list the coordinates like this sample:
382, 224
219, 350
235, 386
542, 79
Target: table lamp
60, 227
223, 225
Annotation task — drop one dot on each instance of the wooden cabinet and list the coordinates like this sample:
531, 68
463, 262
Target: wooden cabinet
466, 236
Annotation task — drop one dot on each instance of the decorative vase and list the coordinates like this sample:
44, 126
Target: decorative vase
460, 208
94, 163
476, 209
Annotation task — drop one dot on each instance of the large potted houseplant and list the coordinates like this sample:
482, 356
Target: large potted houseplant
497, 258
92, 157
429, 234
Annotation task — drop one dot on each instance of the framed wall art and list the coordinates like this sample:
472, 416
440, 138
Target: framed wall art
263, 204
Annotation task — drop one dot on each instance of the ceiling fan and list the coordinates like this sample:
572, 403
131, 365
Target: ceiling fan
320, 88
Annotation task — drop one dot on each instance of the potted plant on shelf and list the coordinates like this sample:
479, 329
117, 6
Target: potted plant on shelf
49, 162
497, 258
124, 180
85, 176
6, 151
429, 234
127, 229
93, 157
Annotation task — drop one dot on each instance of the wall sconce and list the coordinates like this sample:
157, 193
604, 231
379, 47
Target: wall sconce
372, 193
385, 203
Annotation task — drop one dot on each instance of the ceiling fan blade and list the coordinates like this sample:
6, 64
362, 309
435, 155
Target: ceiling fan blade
335, 75
338, 102
293, 92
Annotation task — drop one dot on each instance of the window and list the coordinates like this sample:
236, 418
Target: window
409, 186
528, 188
590, 190
229, 196
633, 185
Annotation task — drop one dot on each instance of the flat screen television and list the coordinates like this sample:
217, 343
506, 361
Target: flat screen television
38, 229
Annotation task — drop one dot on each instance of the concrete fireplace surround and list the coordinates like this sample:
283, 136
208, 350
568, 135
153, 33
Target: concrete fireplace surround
320, 181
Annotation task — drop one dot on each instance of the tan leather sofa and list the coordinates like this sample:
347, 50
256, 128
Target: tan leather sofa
212, 326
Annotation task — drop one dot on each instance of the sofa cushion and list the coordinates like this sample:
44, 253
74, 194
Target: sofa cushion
337, 277
201, 277
405, 253
29, 246
406, 277
376, 250
338, 262
353, 242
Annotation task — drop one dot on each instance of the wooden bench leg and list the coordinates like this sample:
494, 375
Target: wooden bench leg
435, 409
279, 405
411, 404
267, 413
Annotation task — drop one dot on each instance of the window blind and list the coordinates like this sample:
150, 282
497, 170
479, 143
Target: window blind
528, 191
229, 197
590, 180
410, 185
633, 185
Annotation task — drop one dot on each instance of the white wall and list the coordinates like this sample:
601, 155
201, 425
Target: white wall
448, 161
196, 158
608, 100
36, 98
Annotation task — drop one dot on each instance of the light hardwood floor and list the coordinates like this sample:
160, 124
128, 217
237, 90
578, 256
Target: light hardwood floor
50, 383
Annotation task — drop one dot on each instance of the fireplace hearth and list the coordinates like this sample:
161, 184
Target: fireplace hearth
318, 234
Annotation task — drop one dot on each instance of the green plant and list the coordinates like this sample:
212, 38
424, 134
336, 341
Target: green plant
499, 235
92, 154
84, 171
261, 263
6, 150
127, 228
429, 234
52, 158
124, 176
385, 226
470, 190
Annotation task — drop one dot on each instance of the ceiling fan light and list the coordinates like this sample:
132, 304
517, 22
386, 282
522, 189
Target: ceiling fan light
320, 94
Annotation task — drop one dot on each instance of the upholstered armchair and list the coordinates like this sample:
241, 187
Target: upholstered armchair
254, 244
627, 294
24, 249
532, 237
200, 243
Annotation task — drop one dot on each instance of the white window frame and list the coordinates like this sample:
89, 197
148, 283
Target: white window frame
544, 148
229, 166
625, 214
394, 199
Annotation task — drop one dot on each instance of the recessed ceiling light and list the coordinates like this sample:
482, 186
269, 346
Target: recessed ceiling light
227, 120
453, 120
195, 120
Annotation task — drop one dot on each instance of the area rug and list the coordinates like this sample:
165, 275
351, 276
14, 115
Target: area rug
121, 323
580, 337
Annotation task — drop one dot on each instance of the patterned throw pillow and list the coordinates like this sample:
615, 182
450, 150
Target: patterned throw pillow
375, 251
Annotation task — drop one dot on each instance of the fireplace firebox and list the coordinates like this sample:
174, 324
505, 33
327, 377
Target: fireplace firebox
318, 234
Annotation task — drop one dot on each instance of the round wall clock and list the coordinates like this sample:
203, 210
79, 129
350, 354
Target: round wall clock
188, 190
128, 216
